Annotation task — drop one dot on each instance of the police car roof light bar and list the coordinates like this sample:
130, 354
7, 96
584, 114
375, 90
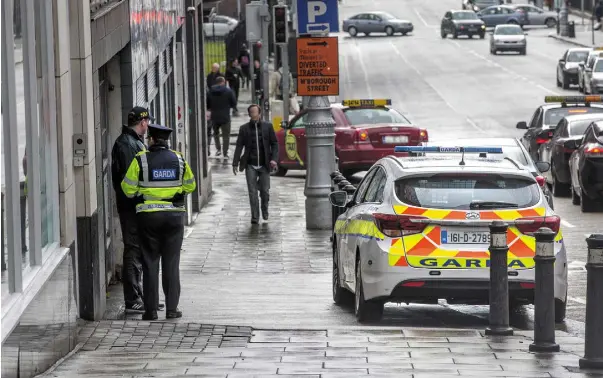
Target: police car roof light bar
573, 99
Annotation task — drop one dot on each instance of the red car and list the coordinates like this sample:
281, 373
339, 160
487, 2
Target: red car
365, 131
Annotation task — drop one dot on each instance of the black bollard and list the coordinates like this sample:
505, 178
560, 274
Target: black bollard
544, 293
593, 345
350, 189
499, 281
343, 183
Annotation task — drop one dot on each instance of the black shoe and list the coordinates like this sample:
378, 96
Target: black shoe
255, 221
136, 308
225, 156
173, 314
218, 153
265, 215
151, 315
160, 306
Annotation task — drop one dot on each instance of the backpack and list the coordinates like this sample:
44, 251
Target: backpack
245, 60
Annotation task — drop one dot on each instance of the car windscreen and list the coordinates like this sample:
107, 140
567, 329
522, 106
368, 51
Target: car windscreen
577, 128
487, 2
460, 191
577, 56
464, 16
508, 30
598, 66
553, 116
373, 116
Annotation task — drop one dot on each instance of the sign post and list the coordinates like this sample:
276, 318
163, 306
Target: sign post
318, 78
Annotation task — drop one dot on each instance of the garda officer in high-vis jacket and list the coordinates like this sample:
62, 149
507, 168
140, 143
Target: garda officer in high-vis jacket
163, 178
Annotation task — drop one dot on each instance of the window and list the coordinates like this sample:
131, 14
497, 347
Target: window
300, 123
509, 30
577, 56
372, 116
598, 66
464, 16
579, 127
553, 116
443, 191
375, 190
359, 195
534, 120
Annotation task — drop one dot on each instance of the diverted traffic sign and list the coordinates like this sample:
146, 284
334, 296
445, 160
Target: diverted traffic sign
317, 16
318, 66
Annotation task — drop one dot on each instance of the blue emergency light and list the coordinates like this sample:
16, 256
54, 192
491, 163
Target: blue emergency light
488, 150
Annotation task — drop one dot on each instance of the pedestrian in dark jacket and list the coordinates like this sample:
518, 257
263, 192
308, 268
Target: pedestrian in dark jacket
219, 102
126, 146
245, 62
213, 75
258, 141
599, 12
233, 76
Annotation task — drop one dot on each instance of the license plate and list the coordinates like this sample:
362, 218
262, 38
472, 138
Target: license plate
465, 237
390, 139
472, 29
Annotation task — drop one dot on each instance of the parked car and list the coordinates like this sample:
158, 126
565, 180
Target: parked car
462, 23
502, 14
586, 169
585, 69
478, 5
536, 15
219, 26
508, 38
567, 69
594, 82
376, 22
558, 149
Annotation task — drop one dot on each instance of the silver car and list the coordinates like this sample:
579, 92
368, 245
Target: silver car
567, 68
585, 69
508, 37
594, 84
416, 230
376, 22
536, 15
478, 5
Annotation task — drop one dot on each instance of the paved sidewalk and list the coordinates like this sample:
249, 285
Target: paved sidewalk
152, 349
583, 39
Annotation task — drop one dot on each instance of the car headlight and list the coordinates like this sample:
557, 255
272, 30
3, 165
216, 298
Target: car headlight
483, 26
475, 8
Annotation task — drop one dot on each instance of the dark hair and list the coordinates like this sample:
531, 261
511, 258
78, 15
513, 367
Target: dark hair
252, 106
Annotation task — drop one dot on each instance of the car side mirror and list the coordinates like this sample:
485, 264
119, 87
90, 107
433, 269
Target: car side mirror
522, 125
338, 198
561, 61
543, 166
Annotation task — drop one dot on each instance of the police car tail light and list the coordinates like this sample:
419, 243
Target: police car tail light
361, 136
530, 225
399, 225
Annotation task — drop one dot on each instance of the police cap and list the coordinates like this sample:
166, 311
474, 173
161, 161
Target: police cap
159, 132
137, 114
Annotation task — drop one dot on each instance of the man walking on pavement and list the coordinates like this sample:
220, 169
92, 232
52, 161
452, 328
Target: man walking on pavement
126, 146
260, 146
219, 102
213, 75
245, 68
161, 178
233, 77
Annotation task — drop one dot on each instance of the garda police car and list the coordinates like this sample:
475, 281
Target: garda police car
416, 230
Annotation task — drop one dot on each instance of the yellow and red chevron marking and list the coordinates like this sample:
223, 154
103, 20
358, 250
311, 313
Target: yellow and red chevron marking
423, 250
439, 214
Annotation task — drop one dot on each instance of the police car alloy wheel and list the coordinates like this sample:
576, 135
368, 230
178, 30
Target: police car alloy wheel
366, 311
341, 296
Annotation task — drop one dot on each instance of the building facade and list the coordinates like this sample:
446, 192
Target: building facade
71, 71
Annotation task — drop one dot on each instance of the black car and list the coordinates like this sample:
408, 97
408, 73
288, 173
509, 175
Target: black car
559, 148
546, 117
458, 22
586, 169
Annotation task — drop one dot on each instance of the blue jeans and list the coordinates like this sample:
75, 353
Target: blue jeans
258, 180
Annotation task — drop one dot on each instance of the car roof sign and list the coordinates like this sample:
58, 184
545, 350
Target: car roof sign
366, 103
442, 149
573, 99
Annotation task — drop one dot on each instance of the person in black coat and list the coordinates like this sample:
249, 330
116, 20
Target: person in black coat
260, 156
233, 76
220, 101
245, 65
126, 146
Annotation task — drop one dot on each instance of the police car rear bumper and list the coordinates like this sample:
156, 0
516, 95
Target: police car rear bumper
409, 284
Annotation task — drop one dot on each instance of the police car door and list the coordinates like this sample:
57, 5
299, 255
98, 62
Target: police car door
347, 251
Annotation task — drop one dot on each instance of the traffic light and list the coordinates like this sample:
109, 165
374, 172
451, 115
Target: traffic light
281, 29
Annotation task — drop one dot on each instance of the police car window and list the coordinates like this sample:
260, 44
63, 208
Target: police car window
372, 194
459, 191
553, 116
577, 56
534, 118
372, 116
359, 195
464, 16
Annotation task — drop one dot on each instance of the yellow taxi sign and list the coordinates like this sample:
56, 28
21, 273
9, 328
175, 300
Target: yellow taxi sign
573, 99
598, 48
373, 102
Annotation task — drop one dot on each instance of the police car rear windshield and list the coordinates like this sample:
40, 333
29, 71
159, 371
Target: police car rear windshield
553, 116
463, 192
373, 116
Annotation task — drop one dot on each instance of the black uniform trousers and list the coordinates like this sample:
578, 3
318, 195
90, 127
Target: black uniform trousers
132, 264
161, 235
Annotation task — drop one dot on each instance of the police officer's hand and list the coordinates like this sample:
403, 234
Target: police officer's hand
234, 170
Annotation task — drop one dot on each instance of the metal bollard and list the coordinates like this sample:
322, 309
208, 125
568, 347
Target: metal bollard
593, 345
350, 189
336, 178
499, 281
544, 293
